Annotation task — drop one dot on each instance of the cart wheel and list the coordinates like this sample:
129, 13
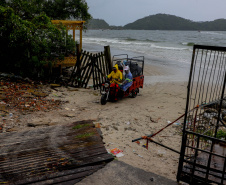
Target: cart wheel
103, 99
134, 94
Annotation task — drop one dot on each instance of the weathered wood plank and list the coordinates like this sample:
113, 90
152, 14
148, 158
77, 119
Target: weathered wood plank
67, 152
98, 65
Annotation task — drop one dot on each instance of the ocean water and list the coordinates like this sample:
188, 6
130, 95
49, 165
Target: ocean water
169, 49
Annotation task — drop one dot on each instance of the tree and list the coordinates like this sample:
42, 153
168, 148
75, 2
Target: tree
27, 45
55, 9
62, 9
28, 39
2, 3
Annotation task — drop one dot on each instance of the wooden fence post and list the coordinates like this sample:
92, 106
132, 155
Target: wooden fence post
78, 65
92, 71
107, 54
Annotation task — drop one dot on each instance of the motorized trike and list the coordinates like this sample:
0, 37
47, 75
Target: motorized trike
111, 91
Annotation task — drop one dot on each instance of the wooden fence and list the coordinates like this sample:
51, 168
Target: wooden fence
91, 66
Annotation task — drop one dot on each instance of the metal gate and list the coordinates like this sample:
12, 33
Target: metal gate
203, 152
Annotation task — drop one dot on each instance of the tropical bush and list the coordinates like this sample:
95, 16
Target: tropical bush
28, 39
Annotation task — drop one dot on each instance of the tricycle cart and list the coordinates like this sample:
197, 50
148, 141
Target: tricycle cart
112, 91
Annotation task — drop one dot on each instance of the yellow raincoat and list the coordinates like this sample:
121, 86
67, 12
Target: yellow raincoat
115, 76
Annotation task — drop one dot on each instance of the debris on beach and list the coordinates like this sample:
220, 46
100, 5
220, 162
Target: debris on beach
25, 96
161, 153
117, 152
19, 96
134, 151
155, 120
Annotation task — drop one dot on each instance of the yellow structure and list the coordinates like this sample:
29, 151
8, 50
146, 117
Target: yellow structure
70, 25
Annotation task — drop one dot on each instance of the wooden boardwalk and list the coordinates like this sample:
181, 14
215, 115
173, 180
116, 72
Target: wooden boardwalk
62, 154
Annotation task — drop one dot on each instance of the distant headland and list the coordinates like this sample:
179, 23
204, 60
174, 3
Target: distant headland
162, 22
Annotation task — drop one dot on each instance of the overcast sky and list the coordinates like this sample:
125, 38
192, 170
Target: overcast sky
121, 12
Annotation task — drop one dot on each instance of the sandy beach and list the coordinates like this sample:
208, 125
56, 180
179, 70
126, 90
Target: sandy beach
120, 122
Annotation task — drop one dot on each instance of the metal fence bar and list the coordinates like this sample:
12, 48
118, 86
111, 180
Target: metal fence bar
206, 88
223, 173
184, 135
194, 163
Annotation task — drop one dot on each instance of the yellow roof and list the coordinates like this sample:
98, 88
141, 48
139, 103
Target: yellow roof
67, 22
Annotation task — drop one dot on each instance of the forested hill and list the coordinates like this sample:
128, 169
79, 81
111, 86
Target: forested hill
97, 24
163, 22
171, 22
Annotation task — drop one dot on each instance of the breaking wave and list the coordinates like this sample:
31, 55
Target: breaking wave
188, 43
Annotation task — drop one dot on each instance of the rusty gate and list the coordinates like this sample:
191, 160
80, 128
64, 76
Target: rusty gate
203, 152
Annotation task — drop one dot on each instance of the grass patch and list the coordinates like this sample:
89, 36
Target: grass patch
221, 134
80, 126
85, 135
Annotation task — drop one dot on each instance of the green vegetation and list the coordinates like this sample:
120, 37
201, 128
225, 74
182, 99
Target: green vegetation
171, 22
97, 24
221, 134
29, 39
164, 22
80, 126
161, 22
55, 9
85, 135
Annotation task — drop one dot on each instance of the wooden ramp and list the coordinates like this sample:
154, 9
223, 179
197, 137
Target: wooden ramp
62, 154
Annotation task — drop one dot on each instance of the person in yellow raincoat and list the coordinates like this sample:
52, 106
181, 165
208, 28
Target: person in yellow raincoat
116, 78
115, 75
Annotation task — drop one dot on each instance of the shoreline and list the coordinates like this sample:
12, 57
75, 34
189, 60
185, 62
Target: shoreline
161, 74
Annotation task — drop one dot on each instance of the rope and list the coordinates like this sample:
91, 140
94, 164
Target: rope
149, 138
